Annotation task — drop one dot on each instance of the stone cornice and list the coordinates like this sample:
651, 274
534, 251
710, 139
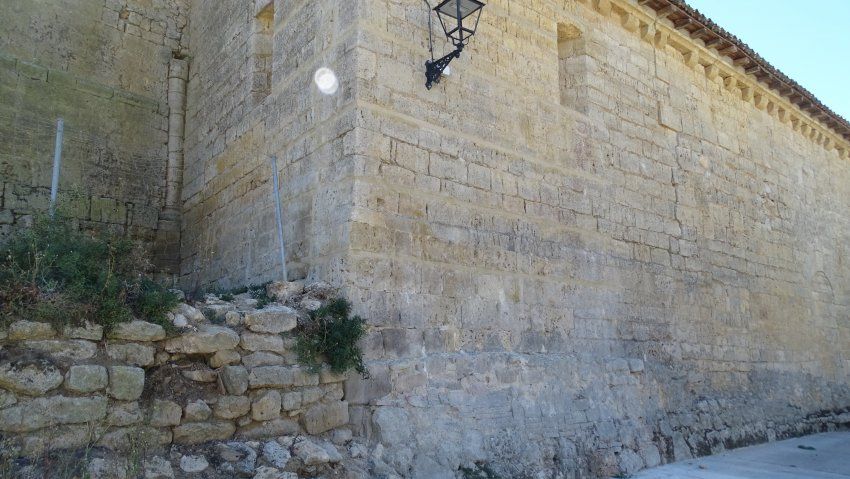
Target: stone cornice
726, 59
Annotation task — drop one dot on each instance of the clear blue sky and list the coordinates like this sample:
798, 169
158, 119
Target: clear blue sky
809, 41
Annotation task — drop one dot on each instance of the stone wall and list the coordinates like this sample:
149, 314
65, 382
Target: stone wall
236, 121
649, 268
101, 66
598, 246
229, 371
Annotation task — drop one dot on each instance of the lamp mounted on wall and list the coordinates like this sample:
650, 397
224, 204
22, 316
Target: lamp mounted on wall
459, 19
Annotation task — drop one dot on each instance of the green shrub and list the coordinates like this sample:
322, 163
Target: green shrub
331, 335
54, 272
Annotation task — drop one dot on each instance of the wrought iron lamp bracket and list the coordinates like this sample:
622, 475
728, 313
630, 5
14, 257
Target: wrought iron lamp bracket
434, 68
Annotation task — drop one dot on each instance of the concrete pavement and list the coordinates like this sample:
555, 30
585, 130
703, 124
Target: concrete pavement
789, 459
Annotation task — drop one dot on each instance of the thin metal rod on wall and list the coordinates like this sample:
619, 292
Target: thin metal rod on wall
279, 214
57, 164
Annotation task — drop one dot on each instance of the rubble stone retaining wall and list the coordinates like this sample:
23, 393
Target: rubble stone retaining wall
231, 376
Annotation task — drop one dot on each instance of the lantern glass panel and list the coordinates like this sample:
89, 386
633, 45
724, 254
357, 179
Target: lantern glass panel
459, 30
467, 7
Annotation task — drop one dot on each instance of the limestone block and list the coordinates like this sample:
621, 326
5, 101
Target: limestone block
90, 331
311, 395
262, 342
313, 454
290, 401
193, 464
275, 454
218, 312
133, 354
208, 339
273, 428
262, 358
191, 313
86, 379
72, 349
233, 318
138, 331
391, 425
165, 413
157, 468
235, 379
199, 432
327, 376
266, 406
636, 365
326, 416
273, 319
362, 391
124, 414
668, 117
30, 330
45, 412
201, 375
281, 377
126, 383
231, 407
107, 468
197, 411
282, 291
224, 358
30, 377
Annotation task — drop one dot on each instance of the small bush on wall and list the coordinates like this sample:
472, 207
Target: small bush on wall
54, 272
331, 335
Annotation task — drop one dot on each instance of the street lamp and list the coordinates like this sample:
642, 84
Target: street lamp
459, 19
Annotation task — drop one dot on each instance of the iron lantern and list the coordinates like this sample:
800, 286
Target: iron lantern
459, 19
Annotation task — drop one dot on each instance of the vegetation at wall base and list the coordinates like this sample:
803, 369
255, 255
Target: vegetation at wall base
56, 273
332, 335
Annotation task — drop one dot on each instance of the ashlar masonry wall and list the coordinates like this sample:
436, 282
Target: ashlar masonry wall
102, 66
581, 283
597, 246
251, 96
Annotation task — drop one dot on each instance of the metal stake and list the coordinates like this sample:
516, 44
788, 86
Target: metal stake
57, 163
279, 211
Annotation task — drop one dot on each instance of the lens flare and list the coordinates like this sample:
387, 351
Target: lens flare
326, 81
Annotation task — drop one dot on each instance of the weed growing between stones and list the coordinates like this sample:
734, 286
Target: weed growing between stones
53, 272
332, 335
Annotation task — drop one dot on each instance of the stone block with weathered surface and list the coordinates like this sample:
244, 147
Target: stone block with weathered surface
126, 382
275, 320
